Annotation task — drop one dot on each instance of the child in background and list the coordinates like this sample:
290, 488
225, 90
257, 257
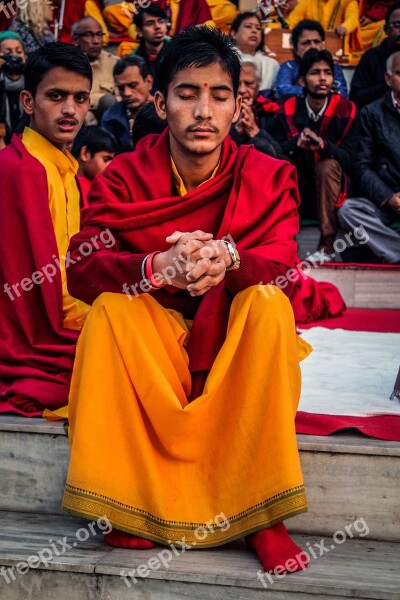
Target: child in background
93, 148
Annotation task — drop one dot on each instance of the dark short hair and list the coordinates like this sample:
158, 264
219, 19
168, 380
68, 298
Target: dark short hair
96, 139
390, 11
306, 25
313, 56
131, 60
53, 55
238, 20
198, 47
153, 10
147, 121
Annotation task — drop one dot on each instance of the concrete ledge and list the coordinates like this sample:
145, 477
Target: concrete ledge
90, 570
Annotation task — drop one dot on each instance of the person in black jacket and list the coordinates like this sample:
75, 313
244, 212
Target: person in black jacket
318, 132
377, 171
368, 83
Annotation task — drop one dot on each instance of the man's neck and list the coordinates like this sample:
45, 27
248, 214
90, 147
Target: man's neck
316, 104
154, 48
194, 169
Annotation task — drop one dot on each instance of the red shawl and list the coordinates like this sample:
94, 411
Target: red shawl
253, 198
192, 12
36, 353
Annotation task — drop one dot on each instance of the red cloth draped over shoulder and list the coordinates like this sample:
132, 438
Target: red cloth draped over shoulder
253, 198
192, 12
36, 352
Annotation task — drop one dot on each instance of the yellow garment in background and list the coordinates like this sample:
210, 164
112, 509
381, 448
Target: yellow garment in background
160, 467
330, 14
64, 204
372, 35
318, 10
119, 17
223, 13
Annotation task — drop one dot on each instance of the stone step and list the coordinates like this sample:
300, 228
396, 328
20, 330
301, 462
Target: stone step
365, 287
49, 557
347, 477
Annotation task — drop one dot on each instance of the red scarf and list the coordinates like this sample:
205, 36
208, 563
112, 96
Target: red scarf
253, 197
36, 352
192, 12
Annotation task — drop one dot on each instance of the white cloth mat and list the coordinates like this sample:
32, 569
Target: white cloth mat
350, 372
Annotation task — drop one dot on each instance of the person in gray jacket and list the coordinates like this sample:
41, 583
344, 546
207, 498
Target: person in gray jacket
377, 172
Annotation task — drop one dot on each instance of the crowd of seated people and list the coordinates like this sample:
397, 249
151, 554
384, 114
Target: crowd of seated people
242, 147
297, 110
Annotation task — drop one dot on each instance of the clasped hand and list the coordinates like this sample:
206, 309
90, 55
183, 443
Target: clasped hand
195, 262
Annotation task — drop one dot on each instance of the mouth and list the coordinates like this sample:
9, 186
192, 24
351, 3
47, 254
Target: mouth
67, 125
203, 131
253, 38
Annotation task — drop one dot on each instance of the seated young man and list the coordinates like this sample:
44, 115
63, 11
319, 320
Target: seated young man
184, 356
318, 131
93, 148
377, 172
39, 319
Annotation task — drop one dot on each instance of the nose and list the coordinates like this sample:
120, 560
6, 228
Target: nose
69, 107
203, 110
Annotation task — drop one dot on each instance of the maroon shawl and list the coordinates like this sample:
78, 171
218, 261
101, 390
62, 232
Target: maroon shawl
253, 197
36, 352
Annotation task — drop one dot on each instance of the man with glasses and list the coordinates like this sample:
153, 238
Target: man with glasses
88, 35
368, 82
151, 26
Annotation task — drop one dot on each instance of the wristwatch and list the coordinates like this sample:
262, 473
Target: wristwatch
234, 254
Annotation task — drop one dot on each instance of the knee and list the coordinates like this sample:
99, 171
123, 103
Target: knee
266, 298
347, 212
109, 301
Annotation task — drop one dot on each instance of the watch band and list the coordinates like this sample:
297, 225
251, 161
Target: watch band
234, 254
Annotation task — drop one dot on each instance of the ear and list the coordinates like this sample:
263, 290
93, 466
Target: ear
302, 82
161, 105
238, 108
149, 80
84, 154
27, 101
139, 33
388, 79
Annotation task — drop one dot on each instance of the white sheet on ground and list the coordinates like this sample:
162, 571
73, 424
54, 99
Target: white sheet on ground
350, 372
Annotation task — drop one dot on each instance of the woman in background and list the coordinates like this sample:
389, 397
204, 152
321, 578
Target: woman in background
32, 23
247, 32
